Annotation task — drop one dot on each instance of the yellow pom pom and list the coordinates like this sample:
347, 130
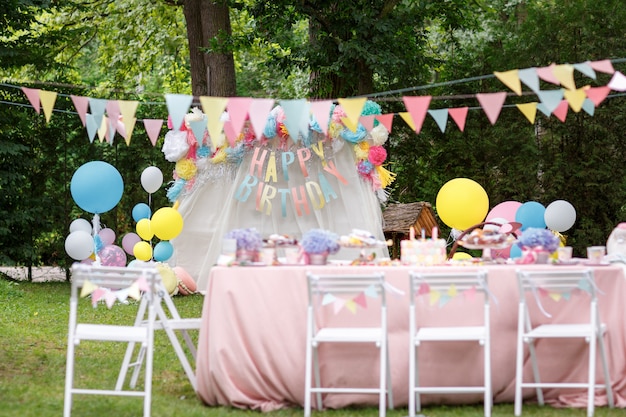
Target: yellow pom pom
219, 157
361, 153
386, 177
335, 130
186, 169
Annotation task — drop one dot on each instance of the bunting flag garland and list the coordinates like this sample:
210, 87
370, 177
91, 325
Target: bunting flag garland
529, 110
565, 75
81, 104
406, 116
213, 107
177, 106
597, 94
367, 121
459, 115
617, 83
529, 77
153, 127
441, 118
386, 120
589, 107
32, 95
604, 65
260, 108
353, 108
551, 98
561, 111
547, 74
48, 98
321, 111
510, 79
586, 69
575, 98
492, 104
417, 107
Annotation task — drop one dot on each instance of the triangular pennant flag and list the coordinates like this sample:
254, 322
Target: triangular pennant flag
459, 115
491, 104
368, 121
260, 109
371, 292
417, 106
97, 295
406, 116
561, 111
555, 296
530, 78
386, 120
81, 104
546, 74
153, 128
351, 306
122, 295
328, 299
565, 74
109, 299
177, 106
338, 304
198, 127
551, 98
566, 295
129, 126
32, 94
424, 288
214, 107
113, 110
87, 289
92, 126
110, 133
529, 110
360, 300
133, 291
296, 113
433, 297
470, 294
441, 118
104, 127
584, 285
511, 80
597, 94
352, 107
617, 83
589, 107
452, 291
542, 292
47, 102
128, 109
97, 107
321, 111
348, 123
543, 109
586, 69
444, 299
575, 98
142, 284
231, 135
238, 108
603, 66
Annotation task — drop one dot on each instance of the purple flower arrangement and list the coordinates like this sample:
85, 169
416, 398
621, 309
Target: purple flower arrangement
320, 241
537, 238
247, 239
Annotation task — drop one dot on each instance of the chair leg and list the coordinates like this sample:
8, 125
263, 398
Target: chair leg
318, 383
519, 373
591, 389
418, 396
487, 400
412, 378
605, 370
382, 382
69, 379
389, 381
535, 366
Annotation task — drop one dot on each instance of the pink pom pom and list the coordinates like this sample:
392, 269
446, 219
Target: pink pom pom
377, 155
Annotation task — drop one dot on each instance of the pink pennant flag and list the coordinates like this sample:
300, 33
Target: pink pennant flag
109, 299
32, 95
597, 94
470, 294
81, 104
260, 109
338, 305
491, 104
142, 283
603, 66
618, 82
423, 289
97, 295
367, 121
360, 300
321, 111
546, 74
542, 292
459, 115
561, 111
417, 106
153, 128
113, 109
230, 133
237, 109
386, 120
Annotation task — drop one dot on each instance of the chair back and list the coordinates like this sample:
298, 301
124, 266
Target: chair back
449, 283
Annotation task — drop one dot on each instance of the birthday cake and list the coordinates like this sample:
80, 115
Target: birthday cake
423, 252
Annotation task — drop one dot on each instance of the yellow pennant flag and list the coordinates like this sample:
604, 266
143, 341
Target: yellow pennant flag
565, 74
575, 98
102, 130
529, 110
133, 291
128, 108
87, 289
555, 296
452, 291
349, 124
434, 297
408, 119
47, 98
511, 80
214, 107
129, 125
353, 108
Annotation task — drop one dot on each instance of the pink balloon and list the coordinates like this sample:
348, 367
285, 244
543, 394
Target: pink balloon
129, 241
112, 255
107, 235
505, 210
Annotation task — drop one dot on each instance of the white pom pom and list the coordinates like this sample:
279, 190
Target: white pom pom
175, 145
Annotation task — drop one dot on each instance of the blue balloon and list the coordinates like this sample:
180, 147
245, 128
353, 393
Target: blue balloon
162, 251
516, 252
141, 211
97, 187
531, 214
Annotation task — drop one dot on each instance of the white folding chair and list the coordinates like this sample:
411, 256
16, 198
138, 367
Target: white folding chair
441, 288
340, 289
167, 319
107, 285
576, 285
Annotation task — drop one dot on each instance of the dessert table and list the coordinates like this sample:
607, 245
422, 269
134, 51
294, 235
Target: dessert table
251, 351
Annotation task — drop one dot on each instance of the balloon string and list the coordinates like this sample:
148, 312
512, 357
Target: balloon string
96, 229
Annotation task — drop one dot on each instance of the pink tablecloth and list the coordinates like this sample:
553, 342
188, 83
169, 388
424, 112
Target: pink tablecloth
251, 351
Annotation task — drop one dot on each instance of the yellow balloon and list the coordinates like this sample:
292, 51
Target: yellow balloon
142, 251
461, 255
167, 223
462, 203
144, 229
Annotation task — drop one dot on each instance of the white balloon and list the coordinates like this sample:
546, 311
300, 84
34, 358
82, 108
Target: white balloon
560, 216
151, 179
79, 245
80, 224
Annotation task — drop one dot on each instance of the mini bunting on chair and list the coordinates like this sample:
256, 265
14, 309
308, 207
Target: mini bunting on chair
87, 289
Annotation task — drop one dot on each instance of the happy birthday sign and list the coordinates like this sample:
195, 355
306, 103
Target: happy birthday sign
271, 189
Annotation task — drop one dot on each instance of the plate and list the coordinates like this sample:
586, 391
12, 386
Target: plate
502, 245
588, 263
565, 263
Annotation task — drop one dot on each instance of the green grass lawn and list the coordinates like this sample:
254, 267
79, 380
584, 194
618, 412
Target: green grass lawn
33, 339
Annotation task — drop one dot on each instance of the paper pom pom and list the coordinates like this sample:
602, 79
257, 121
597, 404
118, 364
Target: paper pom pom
175, 145
379, 135
354, 137
335, 130
371, 107
98, 244
338, 114
377, 155
220, 156
386, 177
361, 150
186, 169
235, 155
203, 151
174, 191
364, 167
